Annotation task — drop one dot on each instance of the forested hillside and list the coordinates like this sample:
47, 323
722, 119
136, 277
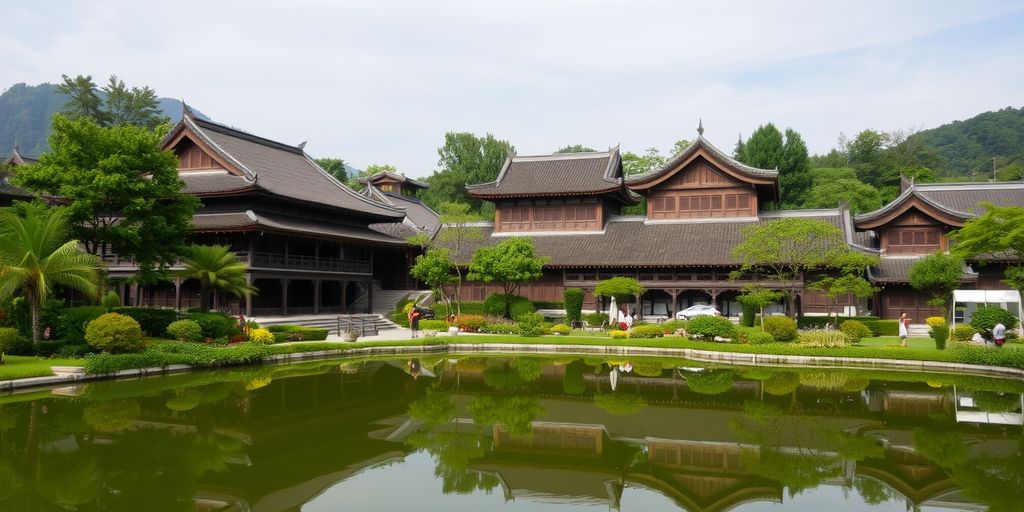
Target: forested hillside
967, 148
25, 112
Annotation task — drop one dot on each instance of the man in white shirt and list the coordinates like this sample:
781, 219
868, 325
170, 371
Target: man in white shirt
999, 334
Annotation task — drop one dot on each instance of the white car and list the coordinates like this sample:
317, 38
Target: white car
698, 310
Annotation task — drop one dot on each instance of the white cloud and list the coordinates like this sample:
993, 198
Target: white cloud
378, 82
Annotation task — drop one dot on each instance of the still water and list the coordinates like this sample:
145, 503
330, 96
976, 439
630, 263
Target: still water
517, 434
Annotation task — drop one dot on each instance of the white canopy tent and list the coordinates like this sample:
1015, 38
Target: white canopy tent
969, 300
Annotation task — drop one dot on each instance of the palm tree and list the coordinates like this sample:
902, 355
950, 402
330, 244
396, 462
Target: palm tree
36, 255
216, 268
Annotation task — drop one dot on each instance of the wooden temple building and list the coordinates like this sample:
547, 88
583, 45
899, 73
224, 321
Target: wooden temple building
697, 206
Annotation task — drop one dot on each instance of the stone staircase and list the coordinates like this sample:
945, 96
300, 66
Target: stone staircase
918, 330
384, 300
330, 321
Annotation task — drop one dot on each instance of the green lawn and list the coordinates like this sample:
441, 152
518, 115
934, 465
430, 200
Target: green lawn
23, 367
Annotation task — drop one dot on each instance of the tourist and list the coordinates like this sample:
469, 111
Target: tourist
999, 334
629, 321
414, 320
904, 326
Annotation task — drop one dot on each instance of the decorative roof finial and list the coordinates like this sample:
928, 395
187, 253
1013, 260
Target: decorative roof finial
302, 145
700, 127
186, 111
16, 148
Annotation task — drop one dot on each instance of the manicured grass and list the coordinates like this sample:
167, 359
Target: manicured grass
894, 342
23, 367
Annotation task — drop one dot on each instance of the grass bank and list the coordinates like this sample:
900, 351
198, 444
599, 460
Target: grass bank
24, 367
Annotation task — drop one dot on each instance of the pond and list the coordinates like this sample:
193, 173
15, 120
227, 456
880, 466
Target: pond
523, 434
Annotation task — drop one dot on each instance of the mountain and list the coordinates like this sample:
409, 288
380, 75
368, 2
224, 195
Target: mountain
967, 147
25, 112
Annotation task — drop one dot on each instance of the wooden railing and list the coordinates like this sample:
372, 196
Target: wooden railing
297, 261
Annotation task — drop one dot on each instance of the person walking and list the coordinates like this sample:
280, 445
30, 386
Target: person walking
414, 320
904, 329
999, 334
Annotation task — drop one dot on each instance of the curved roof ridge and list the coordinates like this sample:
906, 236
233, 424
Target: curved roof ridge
196, 129
701, 142
242, 134
347, 190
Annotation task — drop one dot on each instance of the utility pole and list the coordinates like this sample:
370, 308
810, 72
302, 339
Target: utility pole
993, 168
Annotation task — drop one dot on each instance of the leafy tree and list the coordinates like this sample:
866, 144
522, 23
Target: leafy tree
465, 159
335, 167
509, 263
938, 275
633, 163
764, 147
435, 269
36, 256
847, 285
859, 196
117, 105
785, 250
680, 146
622, 288
575, 148
758, 297
999, 230
767, 149
121, 190
216, 267
455, 237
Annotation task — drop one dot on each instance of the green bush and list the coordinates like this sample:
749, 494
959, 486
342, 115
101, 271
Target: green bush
500, 328
215, 325
759, 338
986, 317
573, 298
939, 334
260, 336
963, 333
20, 316
110, 300
782, 328
519, 306
154, 321
72, 322
747, 313
710, 327
13, 343
824, 339
69, 351
818, 322
114, 333
710, 382
561, 329
547, 304
286, 332
883, 327
468, 308
434, 325
672, 326
616, 334
532, 324
185, 330
496, 304
470, 323
596, 319
855, 329
178, 353
647, 331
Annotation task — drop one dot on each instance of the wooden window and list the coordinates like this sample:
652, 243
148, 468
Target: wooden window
917, 240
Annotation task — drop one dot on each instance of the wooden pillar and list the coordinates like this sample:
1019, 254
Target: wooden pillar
252, 249
284, 294
316, 295
344, 298
674, 292
177, 294
285, 252
135, 294
369, 295
248, 297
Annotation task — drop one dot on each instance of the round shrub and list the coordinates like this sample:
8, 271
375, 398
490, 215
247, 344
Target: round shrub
672, 325
647, 331
114, 333
824, 339
215, 325
496, 304
560, 329
855, 329
72, 322
110, 300
532, 324
618, 335
782, 328
519, 306
963, 333
596, 319
759, 338
185, 330
261, 336
470, 323
986, 317
13, 343
710, 327
710, 382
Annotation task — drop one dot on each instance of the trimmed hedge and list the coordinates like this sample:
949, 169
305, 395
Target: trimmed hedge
470, 323
986, 317
178, 353
709, 327
72, 322
442, 311
781, 328
759, 338
818, 322
596, 319
561, 329
261, 336
215, 325
963, 333
13, 343
114, 333
647, 331
883, 327
519, 307
287, 332
546, 304
573, 300
153, 321
185, 330
434, 325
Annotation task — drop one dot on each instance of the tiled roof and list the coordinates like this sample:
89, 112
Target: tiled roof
247, 220
280, 169
212, 182
397, 177
961, 200
556, 175
632, 242
702, 143
897, 270
418, 216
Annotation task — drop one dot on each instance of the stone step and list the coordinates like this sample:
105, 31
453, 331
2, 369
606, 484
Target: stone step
329, 322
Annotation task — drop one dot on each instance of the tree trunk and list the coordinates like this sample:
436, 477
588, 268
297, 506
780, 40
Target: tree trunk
36, 308
204, 296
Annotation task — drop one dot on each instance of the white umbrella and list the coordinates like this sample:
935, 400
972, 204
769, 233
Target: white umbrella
613, 313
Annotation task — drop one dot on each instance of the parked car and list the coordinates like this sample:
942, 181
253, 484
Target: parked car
698, 310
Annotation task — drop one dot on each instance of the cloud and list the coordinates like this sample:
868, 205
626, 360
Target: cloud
380, 82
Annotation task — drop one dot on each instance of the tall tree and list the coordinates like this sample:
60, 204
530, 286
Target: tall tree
844, 285
786, 250
679, 146
335, 167
83, 98
137, 106
832, 187
650, 160
508, 263
455, 239
216, 267
937, 275
999, 231
766, 148
36, 256
120, 189
575, 148
465, 159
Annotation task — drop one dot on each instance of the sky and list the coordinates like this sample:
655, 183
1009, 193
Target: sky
380, 82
